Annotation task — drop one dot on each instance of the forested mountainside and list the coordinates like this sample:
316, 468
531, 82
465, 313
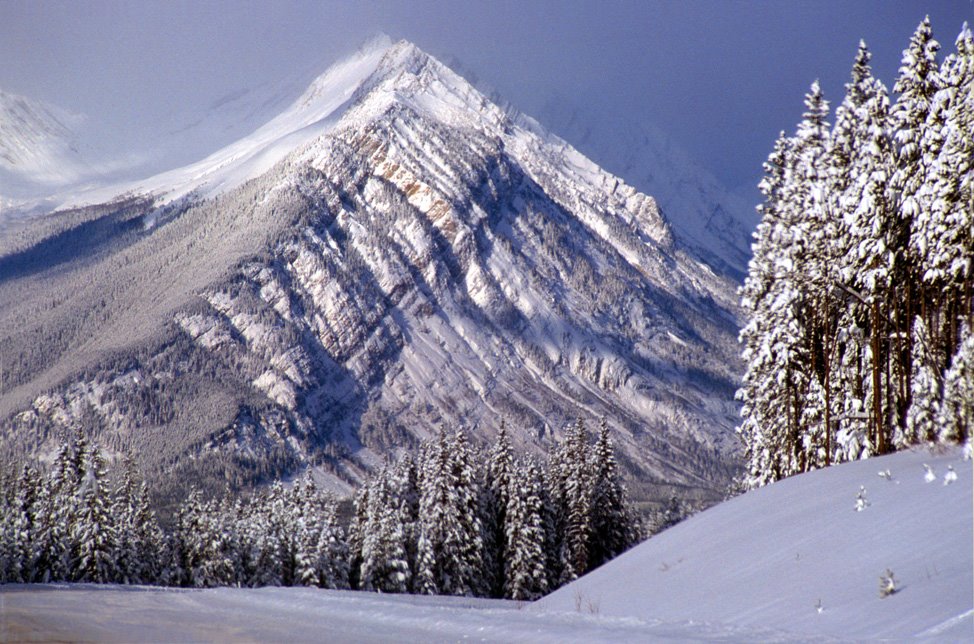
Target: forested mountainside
859, 295
413, 259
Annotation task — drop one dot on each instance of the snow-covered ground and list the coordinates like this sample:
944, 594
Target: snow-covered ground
794, 561
773, 557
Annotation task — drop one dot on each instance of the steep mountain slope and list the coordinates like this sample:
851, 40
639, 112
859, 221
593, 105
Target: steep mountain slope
705, 216
392, 255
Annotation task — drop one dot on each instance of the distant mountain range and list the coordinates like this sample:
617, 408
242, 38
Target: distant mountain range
390, 255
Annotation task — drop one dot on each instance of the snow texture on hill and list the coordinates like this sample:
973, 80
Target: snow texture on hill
798, 556
790, 562
391, 255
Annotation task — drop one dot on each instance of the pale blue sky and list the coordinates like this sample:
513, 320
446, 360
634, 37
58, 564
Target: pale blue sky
721, 77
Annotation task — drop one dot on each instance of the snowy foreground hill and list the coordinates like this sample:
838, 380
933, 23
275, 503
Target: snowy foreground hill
794, 561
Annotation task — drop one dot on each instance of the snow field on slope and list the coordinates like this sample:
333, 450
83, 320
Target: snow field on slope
769, 557
315, 113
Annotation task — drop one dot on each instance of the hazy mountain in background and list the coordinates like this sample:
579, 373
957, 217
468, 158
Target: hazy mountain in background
391, 255
703, 213
38, 147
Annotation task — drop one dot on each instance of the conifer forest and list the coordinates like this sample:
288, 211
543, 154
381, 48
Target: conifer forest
858, 297
452, 521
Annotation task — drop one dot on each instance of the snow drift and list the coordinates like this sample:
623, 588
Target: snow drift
797, 556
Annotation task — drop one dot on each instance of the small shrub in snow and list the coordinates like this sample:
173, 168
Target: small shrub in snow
887, 584
950, 476
861, 502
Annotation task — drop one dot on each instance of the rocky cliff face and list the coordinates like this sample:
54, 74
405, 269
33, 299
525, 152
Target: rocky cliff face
426, 261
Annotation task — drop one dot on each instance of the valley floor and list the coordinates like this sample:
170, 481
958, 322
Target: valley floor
90, 613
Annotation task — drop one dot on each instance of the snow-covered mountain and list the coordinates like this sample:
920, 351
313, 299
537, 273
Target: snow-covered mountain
38, 147
391, 255
703, 213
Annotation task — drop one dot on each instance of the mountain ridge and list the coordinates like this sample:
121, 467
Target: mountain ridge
418, 261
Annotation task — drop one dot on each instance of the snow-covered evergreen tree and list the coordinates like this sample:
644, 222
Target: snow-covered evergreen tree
614, 529
916, 85
925, 388
384, 563
59, 509
553, 518
470, 577
773, 332
944, 232
495, 488
450, 559
356, 535
138, 538
332, 550
19, 555
577, 481
306, 523
93, 534
862, 267
956, 418
525, 576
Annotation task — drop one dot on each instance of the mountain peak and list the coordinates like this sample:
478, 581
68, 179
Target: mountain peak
394, 253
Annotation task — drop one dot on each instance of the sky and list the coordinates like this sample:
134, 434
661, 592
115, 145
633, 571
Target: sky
721, 77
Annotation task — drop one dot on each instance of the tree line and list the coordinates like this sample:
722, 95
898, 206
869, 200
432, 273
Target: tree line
453, 520
859, 294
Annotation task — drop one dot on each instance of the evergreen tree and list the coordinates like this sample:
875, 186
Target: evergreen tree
669, 515
59, 508
553, 519
437, 523
404, 491
577, 481
769, 334
925, 387
525, 577
956, 417
137, 538
613, 527
18, 560
384, 565
308, 523
862, 268
189, 550
450, 547
356, 535
332, 551
469, 579
917, 84
496, 486
93, 532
